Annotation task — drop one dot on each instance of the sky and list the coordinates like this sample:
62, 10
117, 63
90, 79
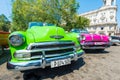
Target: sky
6, 8
85, 6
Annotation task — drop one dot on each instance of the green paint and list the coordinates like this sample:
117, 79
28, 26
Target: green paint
42, 34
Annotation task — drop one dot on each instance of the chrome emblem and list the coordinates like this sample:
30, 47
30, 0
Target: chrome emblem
57, 36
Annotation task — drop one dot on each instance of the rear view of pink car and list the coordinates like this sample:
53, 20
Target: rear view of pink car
92, 41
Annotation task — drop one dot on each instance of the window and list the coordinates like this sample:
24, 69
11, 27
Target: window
94, 20
111, 12
102, 28
94, 28
110, 27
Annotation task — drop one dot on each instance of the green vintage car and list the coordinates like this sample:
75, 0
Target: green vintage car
42, 45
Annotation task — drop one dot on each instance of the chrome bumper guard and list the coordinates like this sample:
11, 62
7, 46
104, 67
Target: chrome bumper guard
95, 46
42, 63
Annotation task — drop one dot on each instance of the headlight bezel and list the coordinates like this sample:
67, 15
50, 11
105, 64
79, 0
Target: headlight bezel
81, 37
16, 39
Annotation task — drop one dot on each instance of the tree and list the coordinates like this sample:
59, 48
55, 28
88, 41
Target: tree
59, 12
4, 23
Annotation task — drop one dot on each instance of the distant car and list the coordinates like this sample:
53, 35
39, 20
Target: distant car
42, 45
4, 38
92, 41
115, 40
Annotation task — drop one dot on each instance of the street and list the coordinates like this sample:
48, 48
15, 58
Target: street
93, 66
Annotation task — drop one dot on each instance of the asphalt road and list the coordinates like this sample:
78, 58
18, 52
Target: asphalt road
93, 66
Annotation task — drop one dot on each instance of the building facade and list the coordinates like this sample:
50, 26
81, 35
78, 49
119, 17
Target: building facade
103, 20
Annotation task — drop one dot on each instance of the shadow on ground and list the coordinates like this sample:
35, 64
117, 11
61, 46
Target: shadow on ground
40, 74
96, 51
4, 56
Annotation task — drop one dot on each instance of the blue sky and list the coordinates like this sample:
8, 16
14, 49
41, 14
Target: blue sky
85, 6
5, 8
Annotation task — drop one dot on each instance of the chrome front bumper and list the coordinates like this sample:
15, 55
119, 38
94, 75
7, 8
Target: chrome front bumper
95, 46
42, 63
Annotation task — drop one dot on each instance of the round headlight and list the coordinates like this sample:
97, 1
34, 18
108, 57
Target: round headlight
16, 40
83, 38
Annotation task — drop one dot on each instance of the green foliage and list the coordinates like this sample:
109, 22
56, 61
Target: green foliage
59, 12
4, 23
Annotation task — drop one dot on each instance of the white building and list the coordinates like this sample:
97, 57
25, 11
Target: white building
103, 20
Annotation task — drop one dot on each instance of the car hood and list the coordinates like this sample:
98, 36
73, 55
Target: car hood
95, 37
46, 33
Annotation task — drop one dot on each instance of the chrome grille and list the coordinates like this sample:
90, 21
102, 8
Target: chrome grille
59, 51
44, 45
51, 49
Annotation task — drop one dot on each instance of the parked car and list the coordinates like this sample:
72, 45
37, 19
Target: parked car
3, 40
92, 41
115, 40
42, 45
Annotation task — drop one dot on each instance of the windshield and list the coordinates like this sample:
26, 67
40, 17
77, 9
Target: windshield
31, 24
79, 31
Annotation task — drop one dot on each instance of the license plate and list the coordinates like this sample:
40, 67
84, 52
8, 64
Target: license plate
98, 43
62, 62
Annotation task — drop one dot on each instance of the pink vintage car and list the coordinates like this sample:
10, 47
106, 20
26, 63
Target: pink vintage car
92, 41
